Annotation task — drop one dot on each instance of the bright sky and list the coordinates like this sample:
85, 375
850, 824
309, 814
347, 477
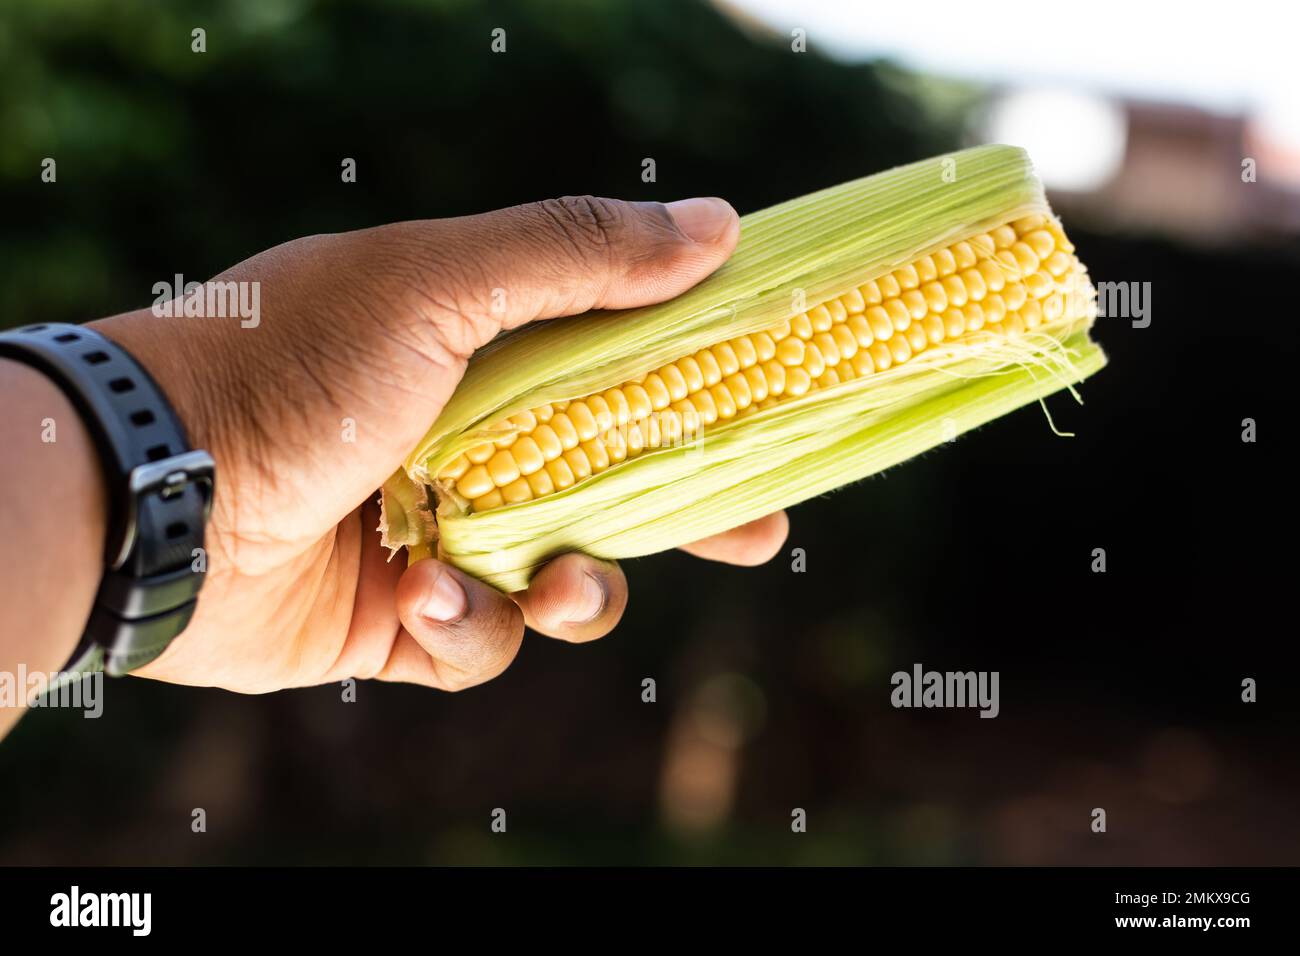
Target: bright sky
1227, 55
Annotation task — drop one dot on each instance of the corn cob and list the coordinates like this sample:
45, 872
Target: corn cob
852, 329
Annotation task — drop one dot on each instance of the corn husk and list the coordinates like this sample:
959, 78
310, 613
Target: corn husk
791, 257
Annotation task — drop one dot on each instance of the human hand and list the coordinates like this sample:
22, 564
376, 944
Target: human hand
375, 328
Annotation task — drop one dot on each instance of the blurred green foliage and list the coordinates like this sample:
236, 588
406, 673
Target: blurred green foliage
170, 160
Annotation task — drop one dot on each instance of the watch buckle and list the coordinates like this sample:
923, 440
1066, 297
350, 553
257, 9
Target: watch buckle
168, 477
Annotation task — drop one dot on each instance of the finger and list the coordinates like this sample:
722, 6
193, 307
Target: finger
575, 598
470, 631
409, 663
754, 543
565, 256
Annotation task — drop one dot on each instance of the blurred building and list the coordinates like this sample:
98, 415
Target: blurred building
1197, 174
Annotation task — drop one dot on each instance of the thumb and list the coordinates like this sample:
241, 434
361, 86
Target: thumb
566, 256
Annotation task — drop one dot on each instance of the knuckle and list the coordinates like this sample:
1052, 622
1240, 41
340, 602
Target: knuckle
589, 226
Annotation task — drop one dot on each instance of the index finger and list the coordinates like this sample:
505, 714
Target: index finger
756, 542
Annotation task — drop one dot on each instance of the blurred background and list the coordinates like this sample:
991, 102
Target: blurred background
1171, 146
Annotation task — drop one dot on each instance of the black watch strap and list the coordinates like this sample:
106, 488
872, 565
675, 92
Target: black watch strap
159, 493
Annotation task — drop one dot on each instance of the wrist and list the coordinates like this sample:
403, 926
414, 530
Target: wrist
54, 523
171, 359
158, 488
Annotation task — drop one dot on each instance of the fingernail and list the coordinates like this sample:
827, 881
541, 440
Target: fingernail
593, 599
445, 601
703, 219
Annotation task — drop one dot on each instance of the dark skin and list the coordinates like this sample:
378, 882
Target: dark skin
375, 326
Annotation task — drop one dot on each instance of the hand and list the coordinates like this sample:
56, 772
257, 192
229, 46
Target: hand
376, 327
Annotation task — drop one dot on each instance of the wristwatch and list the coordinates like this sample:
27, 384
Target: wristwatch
159, 492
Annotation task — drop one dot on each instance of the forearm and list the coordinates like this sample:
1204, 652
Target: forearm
52, 527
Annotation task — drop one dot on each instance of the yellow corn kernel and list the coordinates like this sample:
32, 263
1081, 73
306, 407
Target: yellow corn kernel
655, 388
1039, 285
853, 301
820, 319
861, 329
954, 323
790, 351
973, 280
830, 352
845, 341
916, 337
709, 366
899, 317
945, 262
455, 469
813, 361
479, 454
774, 372
1003, 237
492, 499
915, 303
797, 382
516, 491
577, 460
675, 382
738, 389
540, 483
746, 354
562, 425
955, 290
994, 277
